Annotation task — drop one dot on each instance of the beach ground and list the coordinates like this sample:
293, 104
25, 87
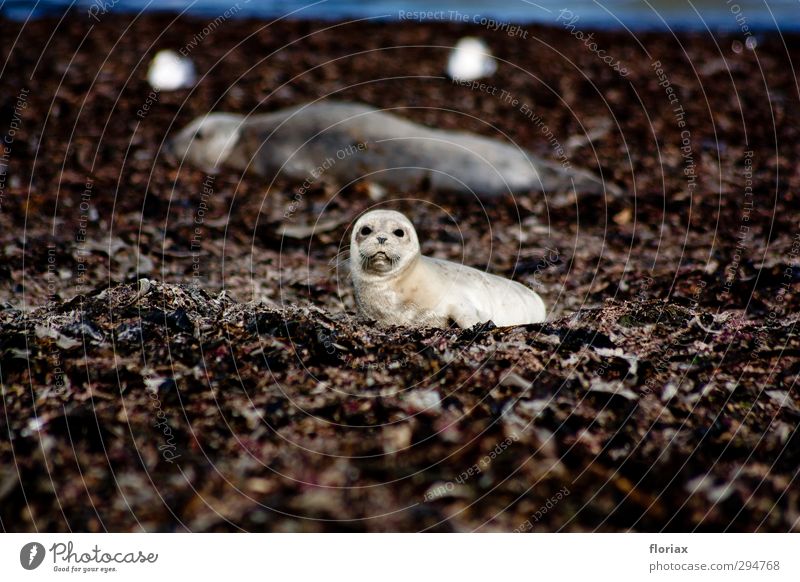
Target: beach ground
180, 351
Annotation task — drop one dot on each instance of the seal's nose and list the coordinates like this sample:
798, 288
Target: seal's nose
382, 239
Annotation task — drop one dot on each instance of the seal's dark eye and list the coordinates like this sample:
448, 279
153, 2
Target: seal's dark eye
399, 233
365, 231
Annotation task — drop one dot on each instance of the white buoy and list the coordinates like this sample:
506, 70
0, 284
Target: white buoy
471, 59
170, 71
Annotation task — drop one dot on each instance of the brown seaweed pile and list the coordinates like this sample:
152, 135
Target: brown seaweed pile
179, 351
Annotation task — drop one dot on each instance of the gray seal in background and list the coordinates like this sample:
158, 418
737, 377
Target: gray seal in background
344, 142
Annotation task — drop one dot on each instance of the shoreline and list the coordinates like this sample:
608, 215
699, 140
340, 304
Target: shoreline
734, 19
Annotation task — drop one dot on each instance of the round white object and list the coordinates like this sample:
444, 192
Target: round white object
170, 71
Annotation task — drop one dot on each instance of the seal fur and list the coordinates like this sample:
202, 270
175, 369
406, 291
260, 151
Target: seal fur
380, 147
396, 285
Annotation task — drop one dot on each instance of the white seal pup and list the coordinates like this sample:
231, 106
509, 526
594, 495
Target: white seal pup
345, 142
396, 285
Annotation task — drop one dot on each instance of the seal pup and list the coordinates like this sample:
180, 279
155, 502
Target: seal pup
345, 142
396, 285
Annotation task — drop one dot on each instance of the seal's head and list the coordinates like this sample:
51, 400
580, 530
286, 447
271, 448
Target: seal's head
384, 244
208, 141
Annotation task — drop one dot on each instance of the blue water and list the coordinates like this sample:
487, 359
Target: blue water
729, 15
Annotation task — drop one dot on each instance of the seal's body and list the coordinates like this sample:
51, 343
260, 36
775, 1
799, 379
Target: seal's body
345, 142
396, 285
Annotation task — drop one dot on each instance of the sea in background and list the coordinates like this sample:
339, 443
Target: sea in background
717, 15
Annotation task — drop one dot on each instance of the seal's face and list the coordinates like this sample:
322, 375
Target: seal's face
207, 141
383, 243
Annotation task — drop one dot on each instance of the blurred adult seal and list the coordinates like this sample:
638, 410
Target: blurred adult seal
396, 285
344, 142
